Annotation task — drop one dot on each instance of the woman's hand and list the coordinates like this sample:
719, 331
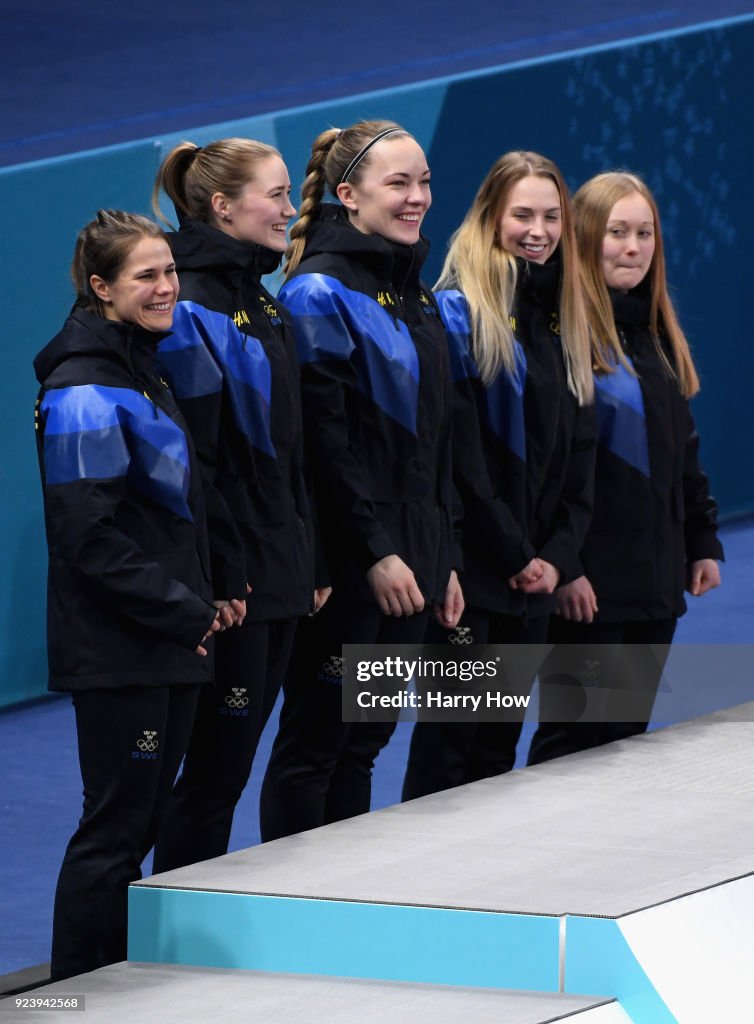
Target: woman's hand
577, 601
546, 583
529, 574
451, 610
394, 587
214, 628
321, 595
703, 575
231, 613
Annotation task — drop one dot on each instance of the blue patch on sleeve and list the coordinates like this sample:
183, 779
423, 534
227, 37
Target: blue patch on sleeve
334, 322
454, 311
621, 423
185, 358
505, 406
504, 397
94, 432
207, 347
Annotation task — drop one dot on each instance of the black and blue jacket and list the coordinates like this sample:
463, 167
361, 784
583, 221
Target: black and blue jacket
377, 404
231, 361
129, 595
523, 450
653, 513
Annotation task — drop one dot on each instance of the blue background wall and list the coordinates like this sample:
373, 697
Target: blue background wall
671, 108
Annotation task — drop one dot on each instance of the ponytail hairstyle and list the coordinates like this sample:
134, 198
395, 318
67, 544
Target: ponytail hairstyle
190, 175
336, 154
593, 204
487, 274
102, 248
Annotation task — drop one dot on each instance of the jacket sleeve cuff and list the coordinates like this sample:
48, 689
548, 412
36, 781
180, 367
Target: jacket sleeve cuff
520, 560
200, 624
565, 561
378, 546
229, 583
704, 545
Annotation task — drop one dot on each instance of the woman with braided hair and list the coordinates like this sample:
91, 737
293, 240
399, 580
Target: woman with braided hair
377, 412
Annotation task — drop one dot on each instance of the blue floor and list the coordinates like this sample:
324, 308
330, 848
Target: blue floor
41, 794
79, 75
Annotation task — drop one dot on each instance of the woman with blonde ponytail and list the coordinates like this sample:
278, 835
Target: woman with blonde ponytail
231, 360
523, 436
376, 399
654, 529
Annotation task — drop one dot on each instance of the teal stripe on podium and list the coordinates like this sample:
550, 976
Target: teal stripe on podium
598, 959
360, 940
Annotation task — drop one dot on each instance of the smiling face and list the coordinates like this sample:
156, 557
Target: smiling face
392, 194
530, 224
629, 243
262, 211
145, 290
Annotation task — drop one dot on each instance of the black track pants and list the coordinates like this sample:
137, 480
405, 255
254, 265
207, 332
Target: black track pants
320, 769
250, 663
443, 755
131, 742
634, 673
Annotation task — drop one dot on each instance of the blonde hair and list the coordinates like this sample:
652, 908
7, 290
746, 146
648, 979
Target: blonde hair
593, 204
333, 151
487, 274
190, 175
102, 248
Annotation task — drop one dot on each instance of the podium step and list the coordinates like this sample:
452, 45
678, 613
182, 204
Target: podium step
150, 993
541, 880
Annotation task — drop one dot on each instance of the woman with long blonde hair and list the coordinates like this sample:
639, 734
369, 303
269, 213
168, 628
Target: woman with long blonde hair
523, 443
654, 528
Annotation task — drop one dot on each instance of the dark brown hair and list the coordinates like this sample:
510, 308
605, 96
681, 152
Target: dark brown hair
103, 246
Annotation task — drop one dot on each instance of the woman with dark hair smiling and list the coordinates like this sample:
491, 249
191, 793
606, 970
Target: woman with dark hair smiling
129, 608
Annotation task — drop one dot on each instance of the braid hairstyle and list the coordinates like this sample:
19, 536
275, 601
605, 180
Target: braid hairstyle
102, 247
190, 175
332, 152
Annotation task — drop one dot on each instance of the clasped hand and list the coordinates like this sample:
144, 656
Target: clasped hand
538, 577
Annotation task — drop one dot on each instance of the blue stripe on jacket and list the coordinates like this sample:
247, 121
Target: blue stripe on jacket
95, 432
332, 322
204, 348
621, 423
504, 397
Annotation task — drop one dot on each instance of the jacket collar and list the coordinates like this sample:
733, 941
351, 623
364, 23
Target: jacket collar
333, 233
632, 307
540, 282
200, 246
88, 334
